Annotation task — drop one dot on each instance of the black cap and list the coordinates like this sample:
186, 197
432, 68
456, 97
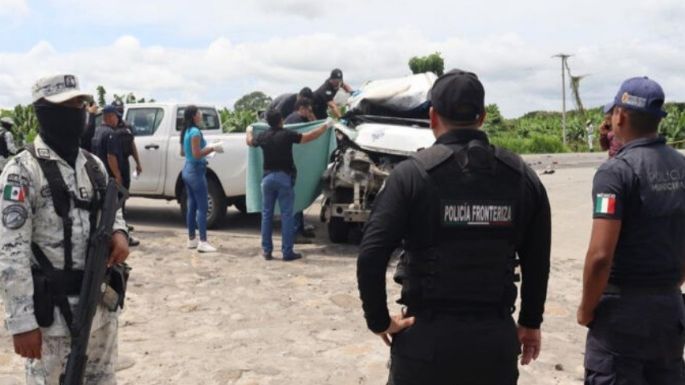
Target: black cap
336, 74
458, 95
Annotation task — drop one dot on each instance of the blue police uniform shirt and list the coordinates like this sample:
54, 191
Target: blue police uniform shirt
644, 188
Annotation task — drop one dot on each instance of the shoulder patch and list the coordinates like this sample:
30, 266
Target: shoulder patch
17, 179
43, 153
14, 216
14, 193
605, 204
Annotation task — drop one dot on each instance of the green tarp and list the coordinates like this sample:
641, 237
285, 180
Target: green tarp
311, 160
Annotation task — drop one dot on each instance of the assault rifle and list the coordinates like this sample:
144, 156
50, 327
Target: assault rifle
93, 286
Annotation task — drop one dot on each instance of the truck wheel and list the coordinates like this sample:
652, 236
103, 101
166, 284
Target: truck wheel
216, 204
338, 230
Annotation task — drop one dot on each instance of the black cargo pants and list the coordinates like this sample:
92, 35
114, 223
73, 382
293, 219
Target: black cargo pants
441, 349
636, 339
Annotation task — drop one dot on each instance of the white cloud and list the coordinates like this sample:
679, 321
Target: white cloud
11, 8
519, 75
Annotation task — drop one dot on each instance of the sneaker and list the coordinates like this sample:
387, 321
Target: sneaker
308, 227
293, 257
267, 256
205, 247
133, 241
192, 243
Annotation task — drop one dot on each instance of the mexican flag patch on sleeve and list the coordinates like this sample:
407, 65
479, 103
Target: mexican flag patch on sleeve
14, 193
605, 204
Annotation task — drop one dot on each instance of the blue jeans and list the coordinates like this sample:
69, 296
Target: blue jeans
195, 180
298, 222
278, 185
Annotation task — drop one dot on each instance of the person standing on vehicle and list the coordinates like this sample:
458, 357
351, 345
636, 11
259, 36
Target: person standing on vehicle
461, 209
106, 146
7, 146
632, 302
194, 174
124, 135
285, 103
48, 204
278, 181
324, 95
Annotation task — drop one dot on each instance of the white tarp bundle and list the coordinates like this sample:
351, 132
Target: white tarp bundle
400, 94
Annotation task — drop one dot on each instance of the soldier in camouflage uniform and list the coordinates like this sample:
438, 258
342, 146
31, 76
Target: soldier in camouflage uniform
7, 146
30, 225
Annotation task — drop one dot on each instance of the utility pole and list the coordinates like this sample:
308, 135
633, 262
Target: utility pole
563, 57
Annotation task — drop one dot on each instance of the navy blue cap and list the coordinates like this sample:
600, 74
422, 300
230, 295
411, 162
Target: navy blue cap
111, 109
639, 94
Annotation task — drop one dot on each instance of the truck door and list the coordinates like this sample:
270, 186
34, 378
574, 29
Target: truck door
151, 144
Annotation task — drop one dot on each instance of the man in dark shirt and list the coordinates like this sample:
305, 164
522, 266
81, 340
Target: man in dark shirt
631, 301
324, 95
461, 210
279, 179
302, 114
105, 144
123, 133
285, 103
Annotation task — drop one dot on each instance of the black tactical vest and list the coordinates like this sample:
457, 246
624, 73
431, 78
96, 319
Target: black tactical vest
652, 242
476, 193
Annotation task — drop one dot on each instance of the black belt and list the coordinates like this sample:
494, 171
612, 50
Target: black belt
627, 290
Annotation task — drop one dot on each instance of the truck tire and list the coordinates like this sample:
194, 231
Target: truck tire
216, 204
338, 230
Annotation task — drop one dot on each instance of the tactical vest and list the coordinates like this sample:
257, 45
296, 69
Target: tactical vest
651, 246
51, 285
4, 150
476, 192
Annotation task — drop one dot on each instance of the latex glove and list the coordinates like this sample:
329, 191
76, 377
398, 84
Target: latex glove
218, 147
329, 123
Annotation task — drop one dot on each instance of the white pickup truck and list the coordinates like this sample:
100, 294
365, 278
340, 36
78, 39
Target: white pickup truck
156, 127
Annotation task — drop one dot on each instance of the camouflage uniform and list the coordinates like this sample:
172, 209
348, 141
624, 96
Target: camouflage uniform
11, 147
28, 215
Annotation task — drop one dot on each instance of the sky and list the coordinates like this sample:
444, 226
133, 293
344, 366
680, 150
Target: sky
216, 51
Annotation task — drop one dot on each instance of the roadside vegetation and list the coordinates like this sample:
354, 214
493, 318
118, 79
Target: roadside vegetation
534, 132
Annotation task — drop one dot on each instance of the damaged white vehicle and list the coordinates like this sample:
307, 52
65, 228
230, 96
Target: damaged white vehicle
386, 122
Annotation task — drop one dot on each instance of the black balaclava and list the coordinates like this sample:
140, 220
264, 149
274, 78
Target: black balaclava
61, 128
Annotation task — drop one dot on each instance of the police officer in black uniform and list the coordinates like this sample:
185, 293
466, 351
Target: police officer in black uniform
322, 100
462, 210
631, 301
